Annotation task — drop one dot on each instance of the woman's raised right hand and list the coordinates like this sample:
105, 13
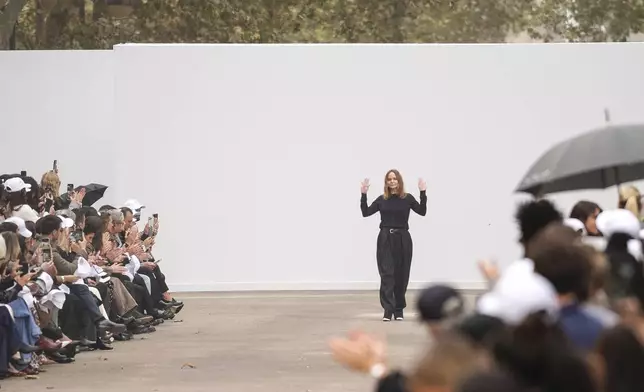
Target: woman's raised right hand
364, 188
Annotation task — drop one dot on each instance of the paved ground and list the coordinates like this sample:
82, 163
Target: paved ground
239, 342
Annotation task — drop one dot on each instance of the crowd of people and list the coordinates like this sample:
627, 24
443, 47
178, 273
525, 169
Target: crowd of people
73, 278
567, 316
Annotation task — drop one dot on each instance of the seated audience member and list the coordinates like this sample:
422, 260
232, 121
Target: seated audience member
539, 357
441, 310
586, 212
16, 200
448, 363
622, 364
141, 246
564, 261
626, 275
440, 307
51, 230
72, 298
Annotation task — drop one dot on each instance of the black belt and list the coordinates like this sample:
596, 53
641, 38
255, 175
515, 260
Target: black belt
393, 230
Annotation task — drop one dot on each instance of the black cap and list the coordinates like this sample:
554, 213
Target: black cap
440, 302
480, 328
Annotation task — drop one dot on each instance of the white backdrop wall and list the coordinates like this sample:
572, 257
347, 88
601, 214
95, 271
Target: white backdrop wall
252, 155
58, 105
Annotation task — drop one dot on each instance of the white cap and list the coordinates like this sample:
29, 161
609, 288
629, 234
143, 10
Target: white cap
576, 225
618, 221
520, 295
65, 223
133, 205
16, 184
22, 228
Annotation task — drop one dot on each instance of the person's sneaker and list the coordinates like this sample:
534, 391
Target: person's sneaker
387, 316
398, 315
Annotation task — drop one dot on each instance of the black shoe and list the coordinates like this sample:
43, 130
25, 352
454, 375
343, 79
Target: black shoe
159, 314
123, 337
86, 342
139, 318
142, 330
125, 320
107, 325
398, 315
28, 349
387, 316
59, 358
101, 345
169, 314
164, 304
70, 350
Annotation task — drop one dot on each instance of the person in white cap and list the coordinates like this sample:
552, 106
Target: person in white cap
576, 225
624, 251
136, 208
17, 205
586, 212
22, 228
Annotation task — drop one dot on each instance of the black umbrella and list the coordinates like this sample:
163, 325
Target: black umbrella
93, 193
594, 160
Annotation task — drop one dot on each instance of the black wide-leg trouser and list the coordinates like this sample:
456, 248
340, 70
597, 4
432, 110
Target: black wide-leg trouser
394, 253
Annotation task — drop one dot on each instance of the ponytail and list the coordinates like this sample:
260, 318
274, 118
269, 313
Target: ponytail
629, 199
632, 205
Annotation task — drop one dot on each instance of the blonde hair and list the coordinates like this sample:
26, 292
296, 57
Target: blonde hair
3, 250
12, 246
630, 199
449, 361
401, 185
64, 242
50, 181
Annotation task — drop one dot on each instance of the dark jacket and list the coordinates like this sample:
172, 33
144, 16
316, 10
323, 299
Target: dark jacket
7, 292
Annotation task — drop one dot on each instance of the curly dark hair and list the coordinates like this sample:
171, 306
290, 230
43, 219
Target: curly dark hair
535, 215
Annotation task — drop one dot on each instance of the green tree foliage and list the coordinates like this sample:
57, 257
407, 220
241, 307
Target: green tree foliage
95, 24
588, 20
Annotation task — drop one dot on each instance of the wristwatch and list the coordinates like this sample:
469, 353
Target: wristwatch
377, 370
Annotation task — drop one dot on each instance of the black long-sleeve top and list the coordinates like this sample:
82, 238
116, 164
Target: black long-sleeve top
394, 211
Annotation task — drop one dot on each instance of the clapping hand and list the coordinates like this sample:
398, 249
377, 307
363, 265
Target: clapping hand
36, 258
118, 269
364, 186
359, 351
489, 269
148, 242
22, 280
50, 268
422, 185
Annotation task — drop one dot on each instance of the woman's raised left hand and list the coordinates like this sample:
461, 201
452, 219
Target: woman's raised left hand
422, 185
